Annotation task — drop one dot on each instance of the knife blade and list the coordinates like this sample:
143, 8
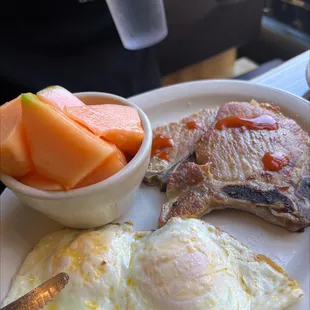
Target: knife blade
37, 298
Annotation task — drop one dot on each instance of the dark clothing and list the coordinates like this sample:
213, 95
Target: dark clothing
72, 43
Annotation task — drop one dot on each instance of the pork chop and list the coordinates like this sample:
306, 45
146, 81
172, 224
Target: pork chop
184, 139
230, 172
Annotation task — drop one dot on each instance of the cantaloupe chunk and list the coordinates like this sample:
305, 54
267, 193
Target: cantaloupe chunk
61, 149
36, 180
59, 97
14, 151
112, 165
118, 124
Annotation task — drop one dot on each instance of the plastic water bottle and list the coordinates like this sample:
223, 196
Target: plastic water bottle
140, 23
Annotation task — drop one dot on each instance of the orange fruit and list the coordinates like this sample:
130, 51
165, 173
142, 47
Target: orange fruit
118, 124
61, 149
112, 165
59, 97
36, 180
14, 151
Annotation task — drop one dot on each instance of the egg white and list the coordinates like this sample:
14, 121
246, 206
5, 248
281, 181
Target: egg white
187, 264
96, 261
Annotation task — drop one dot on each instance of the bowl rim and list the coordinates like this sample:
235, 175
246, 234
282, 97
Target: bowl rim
143, 151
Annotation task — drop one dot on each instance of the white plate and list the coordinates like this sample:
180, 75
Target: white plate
308, 73
22, 227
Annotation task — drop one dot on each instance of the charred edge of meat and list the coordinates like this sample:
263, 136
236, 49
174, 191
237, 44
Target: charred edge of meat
269, 197
152, 178
175, 204
166, 175
304, 188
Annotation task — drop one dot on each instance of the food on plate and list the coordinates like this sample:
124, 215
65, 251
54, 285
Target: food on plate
36, 180
183, 135
96, 261
187, 264
118, 124
61, 149
113, 164
53, 141
59, 97
265, 171
262, 122
14, 152
275, 161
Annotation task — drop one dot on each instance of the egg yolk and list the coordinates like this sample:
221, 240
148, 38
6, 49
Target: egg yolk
91, 305
179, 270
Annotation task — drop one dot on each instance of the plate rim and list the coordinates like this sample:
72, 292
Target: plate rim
190, 88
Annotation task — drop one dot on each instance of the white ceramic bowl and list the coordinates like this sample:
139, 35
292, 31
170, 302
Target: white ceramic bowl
97, 204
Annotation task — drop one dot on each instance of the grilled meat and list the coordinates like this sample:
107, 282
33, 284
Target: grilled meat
231, 171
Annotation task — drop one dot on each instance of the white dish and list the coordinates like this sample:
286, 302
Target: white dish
22, 227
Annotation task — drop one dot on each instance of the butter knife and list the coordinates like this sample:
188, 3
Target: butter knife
38, 297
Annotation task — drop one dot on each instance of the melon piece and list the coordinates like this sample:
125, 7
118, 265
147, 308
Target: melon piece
36, 180
15, 157
118, 124
112, 165
61, 149
59, 97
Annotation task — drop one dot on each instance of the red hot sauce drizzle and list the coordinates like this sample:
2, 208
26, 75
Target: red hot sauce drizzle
191, 125
275, 161
282, 188
164, 156
263, 122
160, 143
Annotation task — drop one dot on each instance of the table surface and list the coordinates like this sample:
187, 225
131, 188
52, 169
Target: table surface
290, 76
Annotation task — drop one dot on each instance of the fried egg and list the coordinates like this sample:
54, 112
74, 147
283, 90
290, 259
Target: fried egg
96, 261
187, 264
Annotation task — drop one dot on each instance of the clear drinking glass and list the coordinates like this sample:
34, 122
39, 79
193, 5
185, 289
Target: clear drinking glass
140, 23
